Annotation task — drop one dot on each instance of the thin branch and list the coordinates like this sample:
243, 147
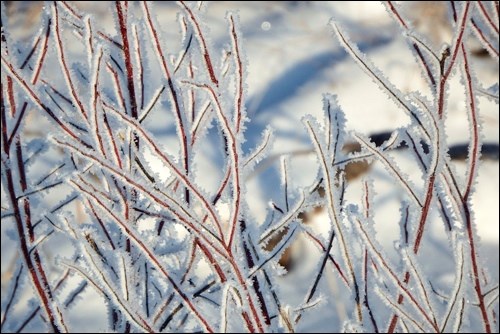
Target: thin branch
388, 268
416, 47
12, 296
474, 152
41, 56
456, 290
391, 167
62, 60
122, 24
152, 258
203, 43
174, 95
185, 180
337, 230
10, 69
239, 74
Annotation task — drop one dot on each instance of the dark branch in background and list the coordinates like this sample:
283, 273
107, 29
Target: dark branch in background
12, 295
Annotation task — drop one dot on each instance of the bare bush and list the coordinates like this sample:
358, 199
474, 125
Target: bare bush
154, 241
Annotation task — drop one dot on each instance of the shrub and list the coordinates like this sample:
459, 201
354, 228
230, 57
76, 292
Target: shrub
153, 240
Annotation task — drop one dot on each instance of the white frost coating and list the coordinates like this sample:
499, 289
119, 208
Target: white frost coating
335, 124
260, 152
171, 250
391, 167
378, 77
283, 222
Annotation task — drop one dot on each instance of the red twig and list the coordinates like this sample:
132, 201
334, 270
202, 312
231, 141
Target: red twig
23, 219
37, 100
181, 214
232, 143
79, 17
118, 88
112, 139
101, 223
474, 152
185, 180
95, 97
43, 53
235, 163
330, 257
122, 21
249, 298
420, 55
173, 94
401, 285
152, 257
239, 74
212, 261
139, 63
487, 16
64, 65
446, 70
487, 44
338, 230
203, 43
425, 211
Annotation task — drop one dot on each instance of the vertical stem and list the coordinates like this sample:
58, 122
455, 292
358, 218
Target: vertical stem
122, 21
337, 228
473, 159
24, 226
173, 94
